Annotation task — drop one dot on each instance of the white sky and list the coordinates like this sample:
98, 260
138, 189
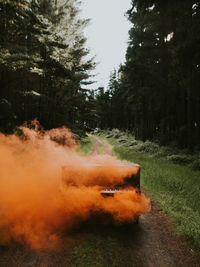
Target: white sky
107, 35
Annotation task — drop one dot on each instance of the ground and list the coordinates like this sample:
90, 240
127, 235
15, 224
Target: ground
152, 242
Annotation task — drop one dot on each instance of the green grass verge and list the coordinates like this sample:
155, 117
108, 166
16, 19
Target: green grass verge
86, 145
174, 187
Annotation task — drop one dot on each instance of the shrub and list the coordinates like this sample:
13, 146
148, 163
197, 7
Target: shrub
115, 133
109, 135
163, 152
147, 147
180, 159
196, 164
133, 143
122, 140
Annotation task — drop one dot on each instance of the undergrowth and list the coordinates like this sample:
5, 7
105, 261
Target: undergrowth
172, 154
86, 145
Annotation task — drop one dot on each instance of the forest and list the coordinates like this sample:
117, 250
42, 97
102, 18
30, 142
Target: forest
42, 67
155, 93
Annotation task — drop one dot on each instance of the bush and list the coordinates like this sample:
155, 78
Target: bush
196, 164
163, 152
133, 143
180, 159
109, 135
147, 147
116, 133
172, 154
122, 140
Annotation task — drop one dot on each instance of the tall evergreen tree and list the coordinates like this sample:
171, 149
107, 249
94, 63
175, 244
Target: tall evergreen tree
158, 90
42, 66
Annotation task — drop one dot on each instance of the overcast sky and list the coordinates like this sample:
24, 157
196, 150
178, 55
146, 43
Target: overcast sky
107, 34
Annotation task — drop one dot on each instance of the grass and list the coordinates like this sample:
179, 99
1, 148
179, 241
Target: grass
86, 145
176, 188
97, 251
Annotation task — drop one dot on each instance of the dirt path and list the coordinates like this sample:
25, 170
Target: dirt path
151, 243
101, 146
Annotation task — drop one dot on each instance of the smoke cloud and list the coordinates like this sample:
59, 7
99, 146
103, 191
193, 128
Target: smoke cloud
38, 203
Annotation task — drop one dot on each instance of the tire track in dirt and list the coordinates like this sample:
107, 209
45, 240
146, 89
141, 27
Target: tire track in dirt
100, 145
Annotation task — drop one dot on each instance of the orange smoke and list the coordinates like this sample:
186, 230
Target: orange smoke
37, 205
108, 174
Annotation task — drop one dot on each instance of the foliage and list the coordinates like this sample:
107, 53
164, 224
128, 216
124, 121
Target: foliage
180, 159
196, 164
42, 64
155, 94
86, 145
153, 149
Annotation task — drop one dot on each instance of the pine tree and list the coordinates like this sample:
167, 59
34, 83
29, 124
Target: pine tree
157, 92
42, 51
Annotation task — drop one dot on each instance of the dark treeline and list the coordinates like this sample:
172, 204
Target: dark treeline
156, 92
42, 67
